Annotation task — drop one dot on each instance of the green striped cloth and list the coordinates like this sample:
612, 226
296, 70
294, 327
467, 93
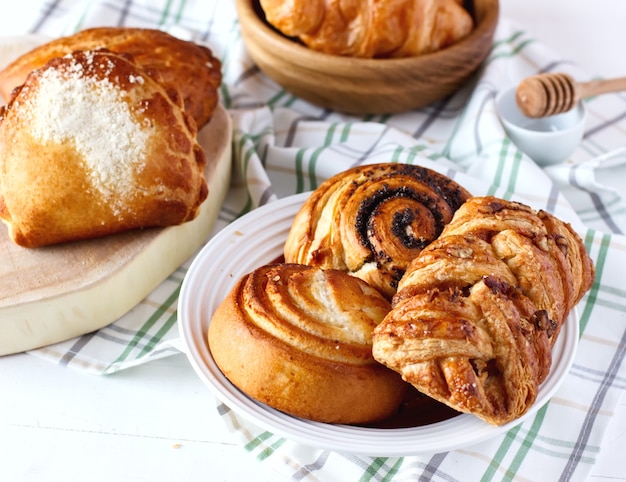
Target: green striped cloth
283, 146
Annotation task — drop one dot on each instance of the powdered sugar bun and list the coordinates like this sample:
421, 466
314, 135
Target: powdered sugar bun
92, 145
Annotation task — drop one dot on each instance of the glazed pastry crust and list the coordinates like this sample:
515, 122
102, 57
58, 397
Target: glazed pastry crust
478, 311
185, 68
372, 28
372, 220
299, 339
107, 150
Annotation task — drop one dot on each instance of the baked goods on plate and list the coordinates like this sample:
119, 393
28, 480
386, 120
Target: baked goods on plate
472, 324
228, 257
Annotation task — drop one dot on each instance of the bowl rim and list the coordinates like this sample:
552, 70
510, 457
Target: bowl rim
484, 29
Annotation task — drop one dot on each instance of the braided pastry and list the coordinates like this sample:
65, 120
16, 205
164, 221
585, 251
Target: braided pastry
299, 339
372, 220
374, 28
478, 311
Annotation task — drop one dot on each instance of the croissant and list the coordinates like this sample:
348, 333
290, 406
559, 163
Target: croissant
371, 28
185, 68
299, 339
372, 220
478, 311
91, 145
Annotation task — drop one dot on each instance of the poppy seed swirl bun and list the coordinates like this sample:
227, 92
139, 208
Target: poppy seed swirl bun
372, 220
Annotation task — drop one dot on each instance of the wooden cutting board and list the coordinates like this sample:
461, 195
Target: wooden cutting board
55, 293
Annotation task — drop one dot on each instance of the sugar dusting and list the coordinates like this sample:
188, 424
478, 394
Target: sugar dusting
73, 107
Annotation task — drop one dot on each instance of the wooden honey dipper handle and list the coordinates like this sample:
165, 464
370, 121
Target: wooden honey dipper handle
598, 87
548, 94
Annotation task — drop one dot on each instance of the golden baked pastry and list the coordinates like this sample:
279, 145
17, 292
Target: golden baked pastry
299, 339
478, 311
91, 145
381, 28
372, 220
184, 67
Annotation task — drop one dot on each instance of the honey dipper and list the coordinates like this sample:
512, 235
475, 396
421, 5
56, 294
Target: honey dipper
548, 94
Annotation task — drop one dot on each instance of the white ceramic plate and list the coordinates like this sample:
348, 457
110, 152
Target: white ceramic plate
256, 239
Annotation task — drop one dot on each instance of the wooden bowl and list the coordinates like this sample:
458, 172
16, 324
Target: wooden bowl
366, 86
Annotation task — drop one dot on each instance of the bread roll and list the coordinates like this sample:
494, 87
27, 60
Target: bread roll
478, 311
372, 220
91, 145
299, 339
185, 68
373, 28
